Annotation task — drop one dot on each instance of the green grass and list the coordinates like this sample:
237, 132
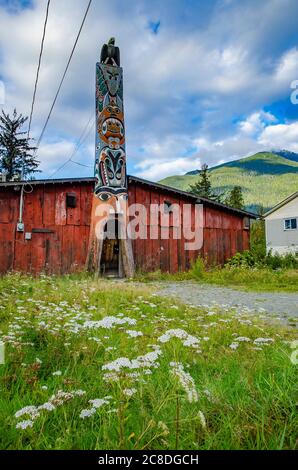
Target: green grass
249, 279
265, 179
258, 280
247, 396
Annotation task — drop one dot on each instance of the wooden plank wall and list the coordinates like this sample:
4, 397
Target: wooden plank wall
64, 247
224, 235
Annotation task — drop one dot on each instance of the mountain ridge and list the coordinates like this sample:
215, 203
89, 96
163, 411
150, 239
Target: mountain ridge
292, 156
266, 178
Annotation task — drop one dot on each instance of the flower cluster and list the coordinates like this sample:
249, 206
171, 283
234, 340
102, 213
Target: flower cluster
33, 412
95, 404
188, 340
186, 381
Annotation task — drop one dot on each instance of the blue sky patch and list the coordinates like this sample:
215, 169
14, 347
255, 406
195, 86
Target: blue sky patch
14, 6
154, 26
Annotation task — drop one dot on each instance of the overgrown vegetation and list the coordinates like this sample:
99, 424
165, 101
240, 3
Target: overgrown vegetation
261, 279
103, 365
251, 270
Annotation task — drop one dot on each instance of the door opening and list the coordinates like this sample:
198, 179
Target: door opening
110, 256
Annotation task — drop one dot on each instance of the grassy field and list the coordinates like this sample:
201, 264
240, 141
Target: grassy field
96, 364
265, 179
254, 279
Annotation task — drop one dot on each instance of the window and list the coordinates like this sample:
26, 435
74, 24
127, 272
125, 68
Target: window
246, 223
167, 207
71, 200
290, 224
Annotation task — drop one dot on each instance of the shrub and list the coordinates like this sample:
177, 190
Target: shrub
244, 259
258, 239
276, 261
250, 259
198, 268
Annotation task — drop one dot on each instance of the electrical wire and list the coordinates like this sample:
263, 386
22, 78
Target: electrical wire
63, 76
82, 139
38, 67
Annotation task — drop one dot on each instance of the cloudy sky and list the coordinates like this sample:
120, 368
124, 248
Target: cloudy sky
204, 80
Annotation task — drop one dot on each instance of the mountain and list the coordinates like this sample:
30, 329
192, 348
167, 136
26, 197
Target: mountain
286, 154
266, 178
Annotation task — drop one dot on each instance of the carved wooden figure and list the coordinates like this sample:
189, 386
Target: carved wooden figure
109, 210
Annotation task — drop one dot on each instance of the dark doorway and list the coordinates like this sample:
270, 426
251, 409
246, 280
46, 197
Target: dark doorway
110, 256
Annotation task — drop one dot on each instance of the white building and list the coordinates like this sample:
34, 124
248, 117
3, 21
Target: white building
281, 225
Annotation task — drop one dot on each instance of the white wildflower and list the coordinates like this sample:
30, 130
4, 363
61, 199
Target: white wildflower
189, 340
133, 333
47, 406
147, 360
28, 410
202, 419
129, 392
259, 341
57, 373
121, 362
98, 402
24, 424
79, 393
108, 322
186, 381
234, 346
87, 413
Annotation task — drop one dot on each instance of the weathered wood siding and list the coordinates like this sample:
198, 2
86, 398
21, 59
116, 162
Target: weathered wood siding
223, 234
60, 234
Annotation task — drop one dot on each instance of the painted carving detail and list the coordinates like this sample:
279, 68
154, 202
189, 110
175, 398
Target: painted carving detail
110, 159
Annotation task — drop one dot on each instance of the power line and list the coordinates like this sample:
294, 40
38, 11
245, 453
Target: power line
83, 137
38, 67
81, 164
63, 76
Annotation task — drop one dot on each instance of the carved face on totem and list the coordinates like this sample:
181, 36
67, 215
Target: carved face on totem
110, 166
110, 126
112, 77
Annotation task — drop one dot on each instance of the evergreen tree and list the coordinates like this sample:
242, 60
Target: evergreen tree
16, 155
235, 198
203, 186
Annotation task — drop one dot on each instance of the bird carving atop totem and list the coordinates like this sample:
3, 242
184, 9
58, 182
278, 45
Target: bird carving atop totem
110, 54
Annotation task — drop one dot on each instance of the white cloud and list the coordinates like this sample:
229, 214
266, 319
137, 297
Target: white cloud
54, 154
183, 87
176, 166
256, 134
287, 69
256, 122
2, 92
281, 136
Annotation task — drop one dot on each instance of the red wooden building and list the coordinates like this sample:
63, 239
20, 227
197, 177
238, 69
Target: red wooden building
56, 217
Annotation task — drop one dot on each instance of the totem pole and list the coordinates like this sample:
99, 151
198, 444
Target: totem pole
110, 198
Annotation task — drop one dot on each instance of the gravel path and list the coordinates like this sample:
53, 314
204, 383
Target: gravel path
284, 305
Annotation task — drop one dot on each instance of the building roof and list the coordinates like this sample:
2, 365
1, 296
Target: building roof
158, 186
282, 203
188, 195
47, 181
